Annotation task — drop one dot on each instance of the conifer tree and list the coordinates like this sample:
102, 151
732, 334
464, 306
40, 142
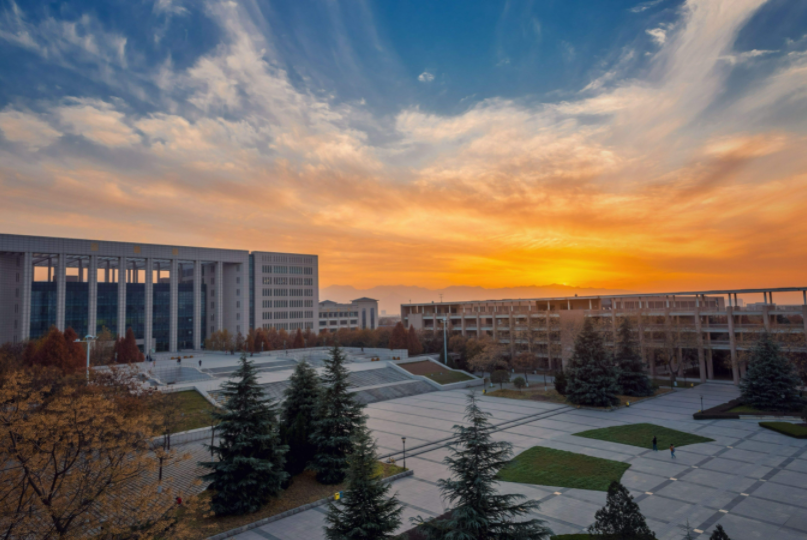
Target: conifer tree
480, 512
620, 517
338, 419
298, 415
591, 375
771, 382
719, 534
251, 459
413, 342
632, 379
364, 512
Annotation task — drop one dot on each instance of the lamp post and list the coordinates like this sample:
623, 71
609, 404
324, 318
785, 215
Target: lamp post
445, 341
88, 339
701, 403
403, 440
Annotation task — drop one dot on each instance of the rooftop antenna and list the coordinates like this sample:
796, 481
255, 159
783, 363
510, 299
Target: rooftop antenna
441, 298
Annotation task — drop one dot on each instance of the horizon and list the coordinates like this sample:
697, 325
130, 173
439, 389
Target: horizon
643, 146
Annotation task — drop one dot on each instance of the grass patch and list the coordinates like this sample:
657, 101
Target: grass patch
797, 431
641, 435
745, 409
448, 377
305, 489
189, 410
549, 467
552, 396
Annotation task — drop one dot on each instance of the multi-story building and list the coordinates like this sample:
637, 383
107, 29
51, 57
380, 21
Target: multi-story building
360, 313
172, 297
697, 327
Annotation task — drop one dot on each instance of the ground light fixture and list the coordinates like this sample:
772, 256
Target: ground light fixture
88, 339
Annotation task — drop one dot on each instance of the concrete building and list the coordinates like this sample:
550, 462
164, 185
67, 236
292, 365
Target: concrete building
694, 327
360, 313
172, 297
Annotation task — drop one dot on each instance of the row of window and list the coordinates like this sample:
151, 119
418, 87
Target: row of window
337, 314
289, 326
288, 281
353, 322
288, 292
280, 315
287, 303
293, 259
304, 270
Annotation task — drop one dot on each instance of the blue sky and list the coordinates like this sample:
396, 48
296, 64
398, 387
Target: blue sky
516, 132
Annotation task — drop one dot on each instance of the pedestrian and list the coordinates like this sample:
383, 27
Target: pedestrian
200, 363
672, 450
655, 444
179, 360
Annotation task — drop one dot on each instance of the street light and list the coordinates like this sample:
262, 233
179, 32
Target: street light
88, 339
403, 439
445, 341
701, 403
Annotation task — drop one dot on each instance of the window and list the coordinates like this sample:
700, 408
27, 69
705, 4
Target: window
266, 269
281, 315
323, 323
238, 304
308, 271
308, 303
281, 303
267, 281
309, 292
281, 281
267, 303
281, 292
307, 281
295, 303
267, 292
295, 269
309, 314
212, 304
295, 314
267, 315
237, 316
238, 280
281, 269
296, 281
238, 292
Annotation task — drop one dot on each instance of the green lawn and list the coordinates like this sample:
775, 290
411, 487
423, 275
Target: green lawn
786, 428
549, 467
448, 377
194, 410
641, 435
745, 409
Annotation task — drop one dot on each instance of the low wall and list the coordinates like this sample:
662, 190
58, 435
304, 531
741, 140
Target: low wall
442, 387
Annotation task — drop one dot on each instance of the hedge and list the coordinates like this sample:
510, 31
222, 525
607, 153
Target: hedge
797, 431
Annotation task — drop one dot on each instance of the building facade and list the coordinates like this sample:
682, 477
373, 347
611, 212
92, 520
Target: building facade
690, 327
361, 313
286, 290
172, 297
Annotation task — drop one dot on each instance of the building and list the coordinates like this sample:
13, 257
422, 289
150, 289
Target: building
360, 313
696, 326
172, 297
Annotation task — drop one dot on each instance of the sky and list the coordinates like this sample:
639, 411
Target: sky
647, 146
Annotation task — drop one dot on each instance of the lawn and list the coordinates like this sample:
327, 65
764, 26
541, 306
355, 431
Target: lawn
448, 377
745, 409
558, 468
551, 395
189, 410
436, 372
641, 435
305, 489
797, 431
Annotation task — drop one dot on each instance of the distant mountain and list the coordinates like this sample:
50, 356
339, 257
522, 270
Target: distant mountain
390, 297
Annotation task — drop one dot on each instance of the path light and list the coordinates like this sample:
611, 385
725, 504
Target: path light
403, 440
88, 339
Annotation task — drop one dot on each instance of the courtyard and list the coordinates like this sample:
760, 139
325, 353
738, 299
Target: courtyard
751, 480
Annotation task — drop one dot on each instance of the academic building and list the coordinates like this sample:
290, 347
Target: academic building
172, 297
361, 313
705, 332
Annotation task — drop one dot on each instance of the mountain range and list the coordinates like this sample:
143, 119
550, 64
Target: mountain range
390, 297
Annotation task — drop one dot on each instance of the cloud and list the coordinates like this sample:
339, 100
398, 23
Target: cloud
97, 121
659, 35
27, 128
746, 56
428, 77
644, 6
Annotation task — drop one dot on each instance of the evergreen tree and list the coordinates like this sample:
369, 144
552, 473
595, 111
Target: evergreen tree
338, 419
413, 342
591, 375
480, 512
251, 460
719, 534
631, 376
771, 382
561, 382
620, 518
298, 415
364, 512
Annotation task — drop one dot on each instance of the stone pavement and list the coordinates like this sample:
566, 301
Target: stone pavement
750, 480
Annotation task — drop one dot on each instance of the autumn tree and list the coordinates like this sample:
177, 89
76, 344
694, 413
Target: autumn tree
399, 338
75, 349
298, 343
491, 357
413, 342
52, 351
525, 362
74, 466
102, 351
251, 343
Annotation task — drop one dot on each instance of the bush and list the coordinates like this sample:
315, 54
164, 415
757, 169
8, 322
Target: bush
500, 376
519, 382
560, 382
786, 428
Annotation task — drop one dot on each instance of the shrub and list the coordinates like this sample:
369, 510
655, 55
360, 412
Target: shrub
519, 382
560, 382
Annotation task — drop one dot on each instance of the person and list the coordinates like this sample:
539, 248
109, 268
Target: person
672, 450
179, 360
655, 444
200, 363
179, 501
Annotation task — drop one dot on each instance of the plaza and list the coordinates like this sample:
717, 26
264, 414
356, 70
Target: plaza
750, 480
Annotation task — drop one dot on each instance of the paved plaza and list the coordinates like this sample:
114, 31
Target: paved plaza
750, 480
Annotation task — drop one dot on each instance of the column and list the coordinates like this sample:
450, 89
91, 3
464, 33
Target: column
25, 303
61, 294
173, 309
548, 338
495, 327
107, 278
710, 362
121, 297
463, 324
766, 317
478, 326
197, 305
219, 295
81, 272
148, 319
511, 320
652, 363
50, 269
735, 371
699, 334
92, 296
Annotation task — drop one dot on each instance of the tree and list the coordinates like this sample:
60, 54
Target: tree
251, 459
592, 378
620, 517
101, 352
52, 351
489, 357
399, 338
519, 383
561, 382
719, 534
127, 350
480, 512
69, 457
689, 533
298, 415
75, 350
299, 342
500, 376
338, 420
364, 512
631, 376
771, 382
525, 362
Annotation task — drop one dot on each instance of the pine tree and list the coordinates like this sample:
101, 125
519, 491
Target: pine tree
719, 534
592, 377
364, 512
413, 342
771, 382
620, 518
480, 512
339, 418
298, 416
251, 460
631, 376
